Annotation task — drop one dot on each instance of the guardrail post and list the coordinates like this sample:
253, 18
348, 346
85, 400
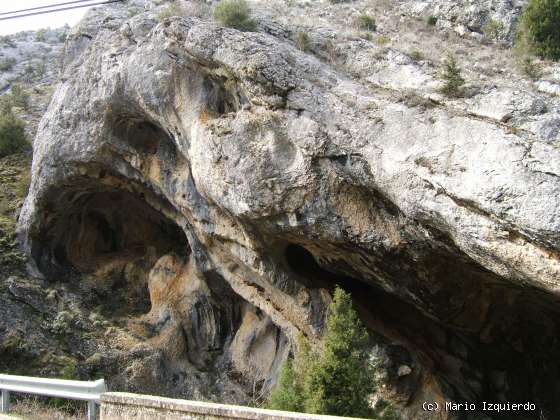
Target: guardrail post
5, 402
91, 410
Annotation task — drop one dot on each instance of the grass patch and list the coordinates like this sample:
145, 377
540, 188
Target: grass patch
34, 407
303, 42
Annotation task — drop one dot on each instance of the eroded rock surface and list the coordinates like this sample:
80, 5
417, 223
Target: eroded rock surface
239, 179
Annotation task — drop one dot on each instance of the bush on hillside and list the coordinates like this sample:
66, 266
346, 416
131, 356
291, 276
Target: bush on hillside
17, 98
452, 77
492, 28
41, 35
338, 377
416, 55
7, 41
531, 69
367, 23
235, 14
12, 134
6, 64
539, 28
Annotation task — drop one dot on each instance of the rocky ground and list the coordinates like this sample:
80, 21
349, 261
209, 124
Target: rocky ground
257, 170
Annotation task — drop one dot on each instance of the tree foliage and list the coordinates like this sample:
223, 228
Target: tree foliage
540, 28
337, 377
287, 395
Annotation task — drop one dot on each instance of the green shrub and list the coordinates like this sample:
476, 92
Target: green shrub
40, 69
303, 41
62, 37
61, 322
338, 377
417, 55
19, 97
41, 35
492, 28
530, 69
12, 134
382, 40
431, 21
451, 75
235, 14
539, 28
6, 64
7, 41
367, 23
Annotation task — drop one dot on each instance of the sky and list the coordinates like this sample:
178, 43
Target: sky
53, 20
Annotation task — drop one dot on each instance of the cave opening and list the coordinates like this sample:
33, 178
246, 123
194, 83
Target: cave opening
109, 240
302, 262
488, 364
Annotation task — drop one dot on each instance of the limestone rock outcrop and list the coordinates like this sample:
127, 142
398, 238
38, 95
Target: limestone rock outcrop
472, 17
240, 179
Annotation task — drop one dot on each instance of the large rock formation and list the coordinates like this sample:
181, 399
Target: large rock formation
240, 179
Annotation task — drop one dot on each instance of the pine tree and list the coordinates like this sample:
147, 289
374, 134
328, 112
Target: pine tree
452, 77
337, 377
340, 383
287, 395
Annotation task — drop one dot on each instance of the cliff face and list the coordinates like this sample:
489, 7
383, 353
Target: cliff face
240, 178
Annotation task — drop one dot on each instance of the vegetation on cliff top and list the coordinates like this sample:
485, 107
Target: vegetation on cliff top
235, 14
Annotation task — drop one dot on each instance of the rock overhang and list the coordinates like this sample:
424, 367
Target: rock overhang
250, 148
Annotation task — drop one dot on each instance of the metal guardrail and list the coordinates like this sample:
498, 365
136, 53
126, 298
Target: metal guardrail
72, 390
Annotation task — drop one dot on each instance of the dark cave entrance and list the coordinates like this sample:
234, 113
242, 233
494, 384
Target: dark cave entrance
512, 358
107, 241
302, 262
